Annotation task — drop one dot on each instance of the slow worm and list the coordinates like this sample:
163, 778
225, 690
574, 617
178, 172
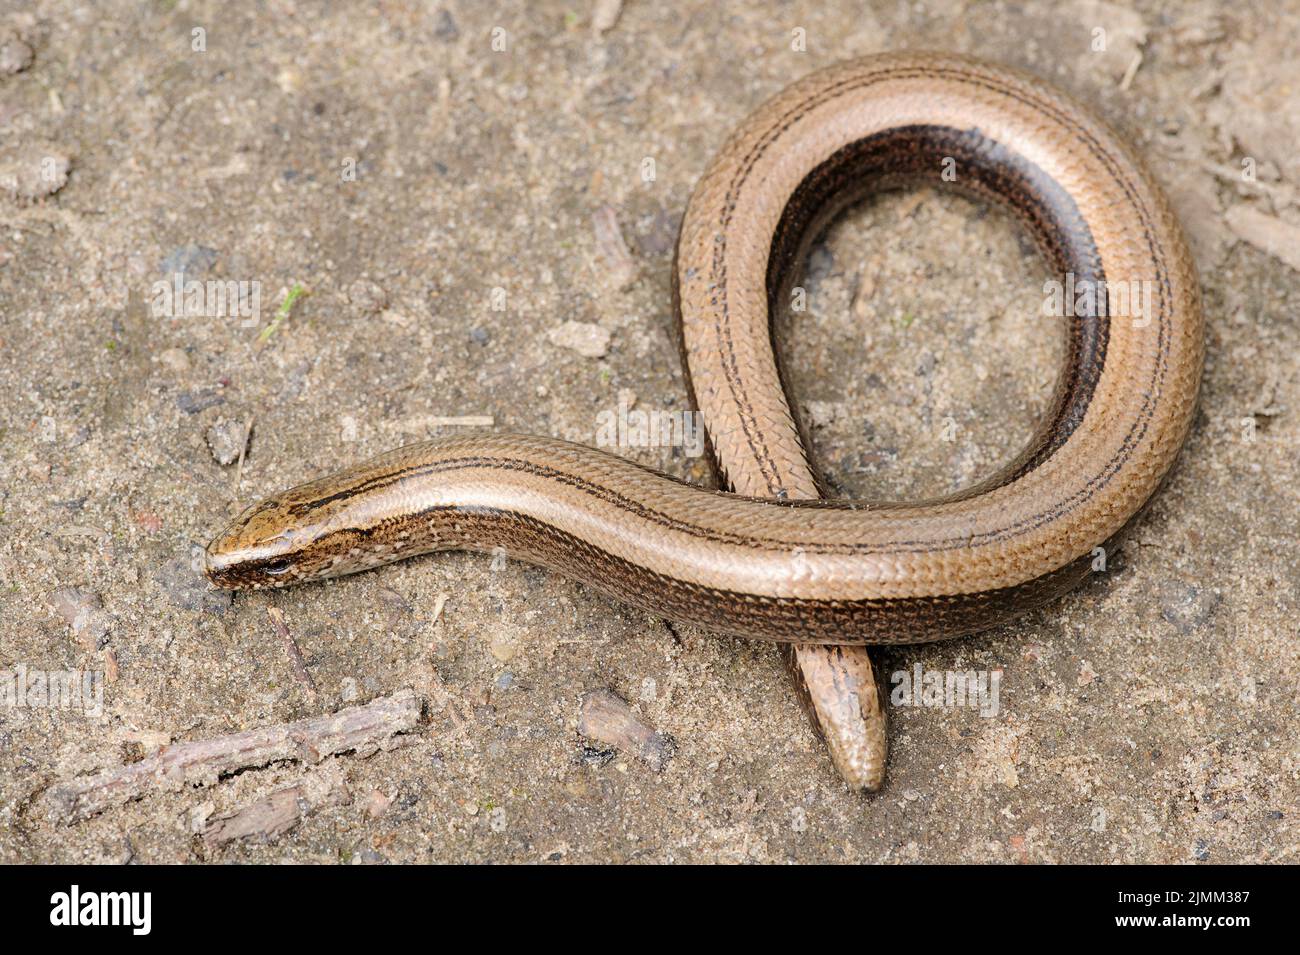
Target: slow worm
768, 558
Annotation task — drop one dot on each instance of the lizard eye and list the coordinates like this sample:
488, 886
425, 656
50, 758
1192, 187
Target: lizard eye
278, 566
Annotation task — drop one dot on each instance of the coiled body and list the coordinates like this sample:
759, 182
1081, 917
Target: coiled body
771, 560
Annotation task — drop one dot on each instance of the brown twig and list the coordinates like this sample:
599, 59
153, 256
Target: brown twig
613, 250
364, 729
291, 647
264, 820
243, 453
607, 718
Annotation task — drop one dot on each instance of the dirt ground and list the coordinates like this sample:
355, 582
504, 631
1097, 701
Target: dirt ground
439, 190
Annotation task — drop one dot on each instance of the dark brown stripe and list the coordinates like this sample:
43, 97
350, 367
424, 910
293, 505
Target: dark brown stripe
722, 324
1132, 439
984, 167
878, 620
660, 518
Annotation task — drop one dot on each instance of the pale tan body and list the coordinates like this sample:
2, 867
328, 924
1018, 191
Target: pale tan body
846, 574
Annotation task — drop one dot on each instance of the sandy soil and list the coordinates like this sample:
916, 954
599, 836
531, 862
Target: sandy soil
445, 204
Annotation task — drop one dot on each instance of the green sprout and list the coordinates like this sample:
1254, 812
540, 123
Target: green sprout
282, 313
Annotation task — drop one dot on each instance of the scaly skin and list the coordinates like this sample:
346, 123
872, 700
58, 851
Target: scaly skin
770, 561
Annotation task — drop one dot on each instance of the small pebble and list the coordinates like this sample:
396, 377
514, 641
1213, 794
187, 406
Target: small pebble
446, 28
188, 259
588, 340
226, 440
377, 804
604, 15
367, 297
36, 173
15, 55
1186, 606
83, 611
194, 402
175, 359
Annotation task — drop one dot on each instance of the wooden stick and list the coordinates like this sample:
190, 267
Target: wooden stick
608, 719
300, 671
203, 762
268, 818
